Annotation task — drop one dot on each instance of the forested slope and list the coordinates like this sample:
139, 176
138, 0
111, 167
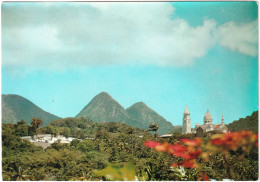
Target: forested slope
247, 123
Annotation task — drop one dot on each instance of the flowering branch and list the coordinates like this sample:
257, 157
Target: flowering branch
192, 151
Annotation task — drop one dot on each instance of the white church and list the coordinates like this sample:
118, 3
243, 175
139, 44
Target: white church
207, 127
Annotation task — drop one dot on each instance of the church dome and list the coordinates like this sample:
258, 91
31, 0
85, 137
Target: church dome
207, 118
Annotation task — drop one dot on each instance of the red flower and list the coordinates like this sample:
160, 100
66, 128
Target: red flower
256, 139
190, 164
195, 154
231, 141
189, 153
191, 150
174, 165
151, 144
217, 141
205, 177
189, 142
163, 147
177, 150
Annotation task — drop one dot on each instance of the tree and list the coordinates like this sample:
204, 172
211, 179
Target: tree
21, 128
65, 132
31, 131
74, 143
153, 127
55, 131
80, 134
21, 122
36, 122
19, 173
130, 131
49, 129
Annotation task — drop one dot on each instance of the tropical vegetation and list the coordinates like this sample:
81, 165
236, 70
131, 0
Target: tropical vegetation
117, 151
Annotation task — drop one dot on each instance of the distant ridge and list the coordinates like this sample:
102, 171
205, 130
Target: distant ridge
142, 116
247, 123
103, 108
15, 108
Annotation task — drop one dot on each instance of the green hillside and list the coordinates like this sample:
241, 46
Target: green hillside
177, 129
15, 108
247, 123
142, 116
90, 128
103, 108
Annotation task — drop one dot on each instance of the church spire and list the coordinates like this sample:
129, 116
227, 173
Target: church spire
222, 120
186, 111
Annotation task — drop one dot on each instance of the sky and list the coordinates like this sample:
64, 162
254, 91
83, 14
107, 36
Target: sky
59, 55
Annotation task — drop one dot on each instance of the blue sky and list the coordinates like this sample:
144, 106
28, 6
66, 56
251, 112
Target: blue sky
203, 54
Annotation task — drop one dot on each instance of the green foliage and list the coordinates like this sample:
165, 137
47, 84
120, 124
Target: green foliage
96, 159
103, 108
177, 136
247, 123
141, 116
82, 127
117, 172
80, 134
107, 151
177, 129
182, 174
36, 123
21, 128
65, 132
49, 129
16, 108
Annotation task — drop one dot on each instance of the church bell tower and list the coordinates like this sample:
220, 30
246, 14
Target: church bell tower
222, 120
186, 126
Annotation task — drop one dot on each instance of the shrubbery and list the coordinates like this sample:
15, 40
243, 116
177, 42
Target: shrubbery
114, 146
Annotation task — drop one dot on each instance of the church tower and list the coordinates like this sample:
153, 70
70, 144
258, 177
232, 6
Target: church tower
222, 120
186, 126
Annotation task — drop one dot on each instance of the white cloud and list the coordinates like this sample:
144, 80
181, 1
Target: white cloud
65, 35
239, 37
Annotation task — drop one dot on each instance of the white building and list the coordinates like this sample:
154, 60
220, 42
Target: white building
207, 127
47, 138
186, 126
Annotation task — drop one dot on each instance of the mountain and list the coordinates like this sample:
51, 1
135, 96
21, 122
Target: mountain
15, 108
177, 129
247, 123
141, 116
103, 108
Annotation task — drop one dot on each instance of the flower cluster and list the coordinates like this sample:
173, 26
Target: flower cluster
231, 141
192, 150
189, 150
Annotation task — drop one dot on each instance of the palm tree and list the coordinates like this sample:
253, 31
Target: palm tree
36, 122
19, 173
154, 127
131, 131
